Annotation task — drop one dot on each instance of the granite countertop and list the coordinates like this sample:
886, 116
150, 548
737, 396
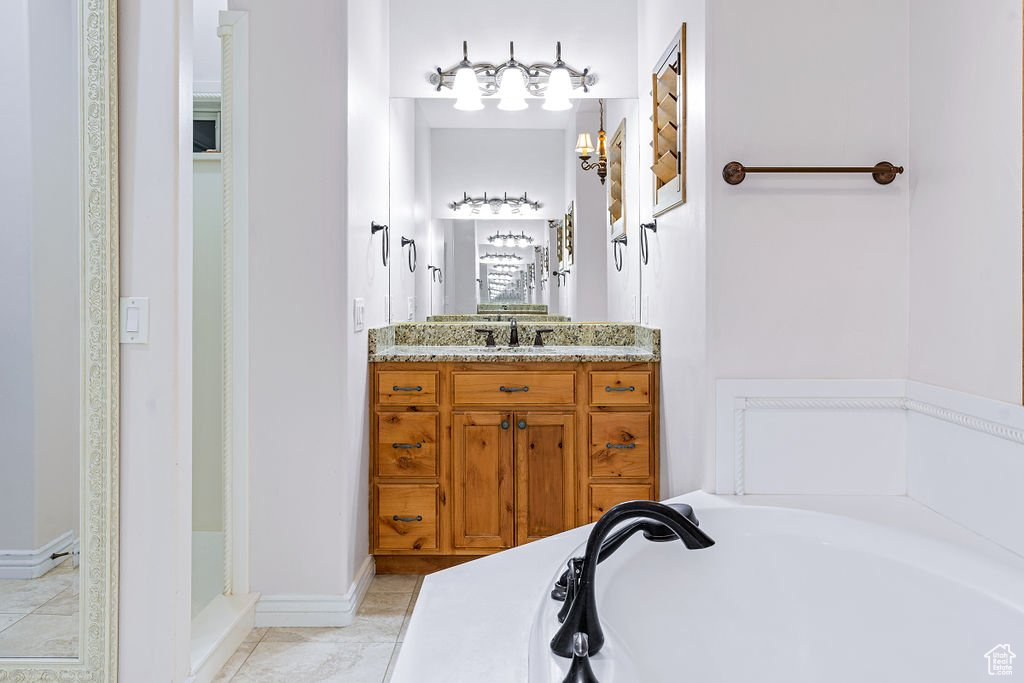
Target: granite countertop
521, 354
566, 343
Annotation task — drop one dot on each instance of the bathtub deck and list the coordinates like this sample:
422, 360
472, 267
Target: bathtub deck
473, 621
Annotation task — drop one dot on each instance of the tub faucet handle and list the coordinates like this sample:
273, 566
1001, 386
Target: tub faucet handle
579, 670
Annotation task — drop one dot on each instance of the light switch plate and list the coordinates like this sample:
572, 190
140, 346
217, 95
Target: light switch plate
645, 311
633, 313
412, 309
358, 314
134, 321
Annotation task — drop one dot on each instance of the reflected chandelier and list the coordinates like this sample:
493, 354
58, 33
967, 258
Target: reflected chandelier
495, 203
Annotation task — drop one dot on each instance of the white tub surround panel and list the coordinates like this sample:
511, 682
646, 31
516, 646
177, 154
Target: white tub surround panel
811, 436
961, 455
965, 460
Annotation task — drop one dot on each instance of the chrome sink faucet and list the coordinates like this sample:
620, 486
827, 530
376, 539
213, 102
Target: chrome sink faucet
659, 522
513, 337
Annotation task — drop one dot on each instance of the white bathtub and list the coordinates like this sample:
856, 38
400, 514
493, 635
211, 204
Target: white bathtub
795, 595
797, 588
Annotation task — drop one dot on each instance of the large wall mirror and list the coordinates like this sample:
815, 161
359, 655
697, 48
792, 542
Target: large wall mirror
492, 213
58, 347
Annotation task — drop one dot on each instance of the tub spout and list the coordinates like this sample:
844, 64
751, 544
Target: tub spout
565, 586
659, 522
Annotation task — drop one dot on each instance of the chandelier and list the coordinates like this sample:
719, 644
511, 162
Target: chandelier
516, 204
510, 240
512, 81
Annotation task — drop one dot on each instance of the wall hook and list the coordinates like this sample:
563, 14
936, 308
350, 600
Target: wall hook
645, 249
385, 246
435, 274
412, 259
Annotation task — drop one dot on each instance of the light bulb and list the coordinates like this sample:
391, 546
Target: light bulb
512, 90
559, 88
467, 92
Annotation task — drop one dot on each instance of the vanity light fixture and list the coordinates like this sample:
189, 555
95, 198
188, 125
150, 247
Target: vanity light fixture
585, 148
500, 257
510, 240
516, 204
512, 81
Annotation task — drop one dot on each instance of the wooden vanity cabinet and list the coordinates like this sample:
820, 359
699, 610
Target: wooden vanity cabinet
468, 459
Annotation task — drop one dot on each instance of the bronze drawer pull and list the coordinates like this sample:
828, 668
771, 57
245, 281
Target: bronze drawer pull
509, 390
417, 518
407, 445
398, 388
609, 389
620, 445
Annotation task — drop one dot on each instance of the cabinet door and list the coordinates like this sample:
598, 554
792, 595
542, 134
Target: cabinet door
482, 477
545, 462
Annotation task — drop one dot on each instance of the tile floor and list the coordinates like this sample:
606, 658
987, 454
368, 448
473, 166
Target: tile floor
363, 652
39, 617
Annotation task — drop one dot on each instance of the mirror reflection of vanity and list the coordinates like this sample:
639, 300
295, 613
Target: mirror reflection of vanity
58, 374
506, 222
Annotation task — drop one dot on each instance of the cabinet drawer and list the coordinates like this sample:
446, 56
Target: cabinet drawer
407, 444
620, 445
620, 388
606, 496
514, 388
402, 388
407, 516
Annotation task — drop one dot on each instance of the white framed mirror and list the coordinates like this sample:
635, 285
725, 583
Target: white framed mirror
59, 347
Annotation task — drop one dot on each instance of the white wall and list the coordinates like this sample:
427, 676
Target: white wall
367, 193
297, 296
809, 273
41, 273
206, 46
16, 401
598, 34
965, 203
406, 219
156, 413
675, 281
496, 161
623, 287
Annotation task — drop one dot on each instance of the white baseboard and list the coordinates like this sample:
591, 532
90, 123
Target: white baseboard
217, 632
298, 609
31, 564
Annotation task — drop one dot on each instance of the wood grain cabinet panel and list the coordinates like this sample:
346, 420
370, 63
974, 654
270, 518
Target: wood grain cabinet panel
545, 460
620, 445
407, 516
468, 459
620, 388
514, 388
407, 444
482, 472
606, 496
407, 388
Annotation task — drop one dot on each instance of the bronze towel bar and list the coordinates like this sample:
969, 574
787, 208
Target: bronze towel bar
883, 172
